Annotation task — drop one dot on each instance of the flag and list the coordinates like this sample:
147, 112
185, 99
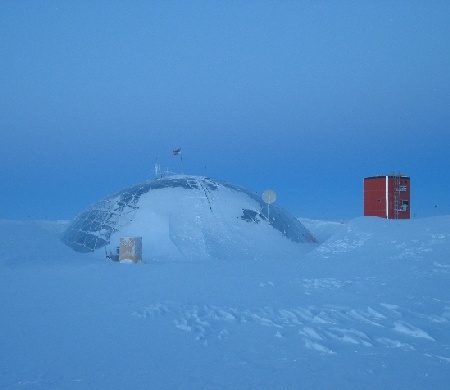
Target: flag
176, 152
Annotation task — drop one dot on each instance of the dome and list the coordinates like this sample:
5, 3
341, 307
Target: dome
188, 216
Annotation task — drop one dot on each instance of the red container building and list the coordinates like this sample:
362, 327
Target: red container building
387, 196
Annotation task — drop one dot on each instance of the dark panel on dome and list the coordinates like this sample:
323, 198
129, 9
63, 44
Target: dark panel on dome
92, 229
250, 215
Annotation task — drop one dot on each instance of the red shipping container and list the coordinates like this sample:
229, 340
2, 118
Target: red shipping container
387, 196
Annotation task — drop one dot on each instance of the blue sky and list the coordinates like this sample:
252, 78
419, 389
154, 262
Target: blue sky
302, 97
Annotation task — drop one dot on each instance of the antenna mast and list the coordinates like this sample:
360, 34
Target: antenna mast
157, 169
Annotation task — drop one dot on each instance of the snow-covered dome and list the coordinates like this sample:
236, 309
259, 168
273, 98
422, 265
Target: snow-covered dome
186, 216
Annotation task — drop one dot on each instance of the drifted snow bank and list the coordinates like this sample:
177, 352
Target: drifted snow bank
367, 308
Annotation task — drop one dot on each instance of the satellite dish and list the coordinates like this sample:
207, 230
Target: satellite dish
269, 196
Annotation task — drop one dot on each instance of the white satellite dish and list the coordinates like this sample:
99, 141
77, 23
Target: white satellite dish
269, 197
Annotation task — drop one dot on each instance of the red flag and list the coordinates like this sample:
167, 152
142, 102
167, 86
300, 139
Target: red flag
176, 152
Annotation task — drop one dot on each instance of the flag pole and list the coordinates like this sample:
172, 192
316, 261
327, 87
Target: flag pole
176, 153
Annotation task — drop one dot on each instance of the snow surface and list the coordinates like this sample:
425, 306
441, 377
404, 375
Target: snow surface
366, 307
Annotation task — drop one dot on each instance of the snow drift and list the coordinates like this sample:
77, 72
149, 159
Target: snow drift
367, 308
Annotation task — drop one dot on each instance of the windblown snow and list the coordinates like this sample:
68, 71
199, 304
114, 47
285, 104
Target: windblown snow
368, 306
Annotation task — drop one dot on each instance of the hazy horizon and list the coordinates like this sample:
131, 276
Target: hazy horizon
305, 98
